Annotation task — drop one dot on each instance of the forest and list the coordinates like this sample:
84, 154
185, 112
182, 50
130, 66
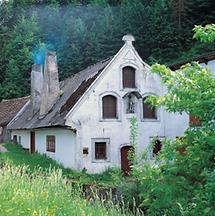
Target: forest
86, 31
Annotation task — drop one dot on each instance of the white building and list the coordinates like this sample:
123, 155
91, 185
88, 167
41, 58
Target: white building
84, 121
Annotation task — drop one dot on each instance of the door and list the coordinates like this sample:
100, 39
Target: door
125, 162
32, 142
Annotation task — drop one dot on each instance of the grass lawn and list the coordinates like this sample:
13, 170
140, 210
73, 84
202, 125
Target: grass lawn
17, 156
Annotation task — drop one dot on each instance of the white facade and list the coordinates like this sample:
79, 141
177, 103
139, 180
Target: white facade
65, 145
86, 115
23, 137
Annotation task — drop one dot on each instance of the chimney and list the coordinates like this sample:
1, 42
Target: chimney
51, 87
36, 87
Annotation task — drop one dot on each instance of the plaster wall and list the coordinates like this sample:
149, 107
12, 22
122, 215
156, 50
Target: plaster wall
25, 137
64, 145
211, 66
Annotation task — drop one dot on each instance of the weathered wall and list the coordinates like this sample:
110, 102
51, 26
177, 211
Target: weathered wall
86, 117
4, 134
25, 137
36, 87
65, 145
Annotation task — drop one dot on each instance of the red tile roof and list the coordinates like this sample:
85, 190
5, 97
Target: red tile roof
9, 108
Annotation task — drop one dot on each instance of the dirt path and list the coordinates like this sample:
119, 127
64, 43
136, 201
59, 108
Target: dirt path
3, 149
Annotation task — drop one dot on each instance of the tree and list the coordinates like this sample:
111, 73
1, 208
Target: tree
83, 32
179, 10
18, 52
205, 34
181, 181
6, 16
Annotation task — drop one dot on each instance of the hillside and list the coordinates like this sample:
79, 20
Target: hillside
84, 32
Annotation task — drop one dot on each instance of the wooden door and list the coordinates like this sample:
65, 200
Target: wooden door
125, 162
32, 142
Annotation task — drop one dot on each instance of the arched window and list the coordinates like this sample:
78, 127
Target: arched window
109, 107
128, 77
149, 111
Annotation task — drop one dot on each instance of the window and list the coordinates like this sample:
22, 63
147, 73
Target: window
50, 143
109, 107
157, 147
20, 140
149, 111
128, 77
1, 130
15, 139
100, 151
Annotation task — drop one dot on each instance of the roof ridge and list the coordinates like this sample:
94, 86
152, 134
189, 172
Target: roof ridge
14, 99
87, 68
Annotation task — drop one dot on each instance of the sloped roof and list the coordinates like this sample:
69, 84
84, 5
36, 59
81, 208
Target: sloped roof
201, 59
9, 108
72, 88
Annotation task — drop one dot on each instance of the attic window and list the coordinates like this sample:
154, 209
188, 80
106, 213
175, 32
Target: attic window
50, 143
128, 77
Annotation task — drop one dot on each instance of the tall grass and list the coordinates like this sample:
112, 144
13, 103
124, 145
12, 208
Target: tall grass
23, 193
18, 157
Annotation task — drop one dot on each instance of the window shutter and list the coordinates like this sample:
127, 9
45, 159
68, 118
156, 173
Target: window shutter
109, 107
128, 77
149, 111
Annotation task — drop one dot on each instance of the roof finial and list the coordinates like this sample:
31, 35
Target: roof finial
128, 39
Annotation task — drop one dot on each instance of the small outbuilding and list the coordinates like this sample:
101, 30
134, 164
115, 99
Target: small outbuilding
8, 110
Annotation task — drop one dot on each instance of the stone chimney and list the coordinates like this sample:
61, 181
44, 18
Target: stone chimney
36, 87
51, 86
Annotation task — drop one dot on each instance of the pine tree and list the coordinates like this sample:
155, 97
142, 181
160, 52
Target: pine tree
19, 54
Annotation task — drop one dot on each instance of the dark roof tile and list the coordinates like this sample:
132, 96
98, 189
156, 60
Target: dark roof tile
201, 59
9, 108
72, 89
